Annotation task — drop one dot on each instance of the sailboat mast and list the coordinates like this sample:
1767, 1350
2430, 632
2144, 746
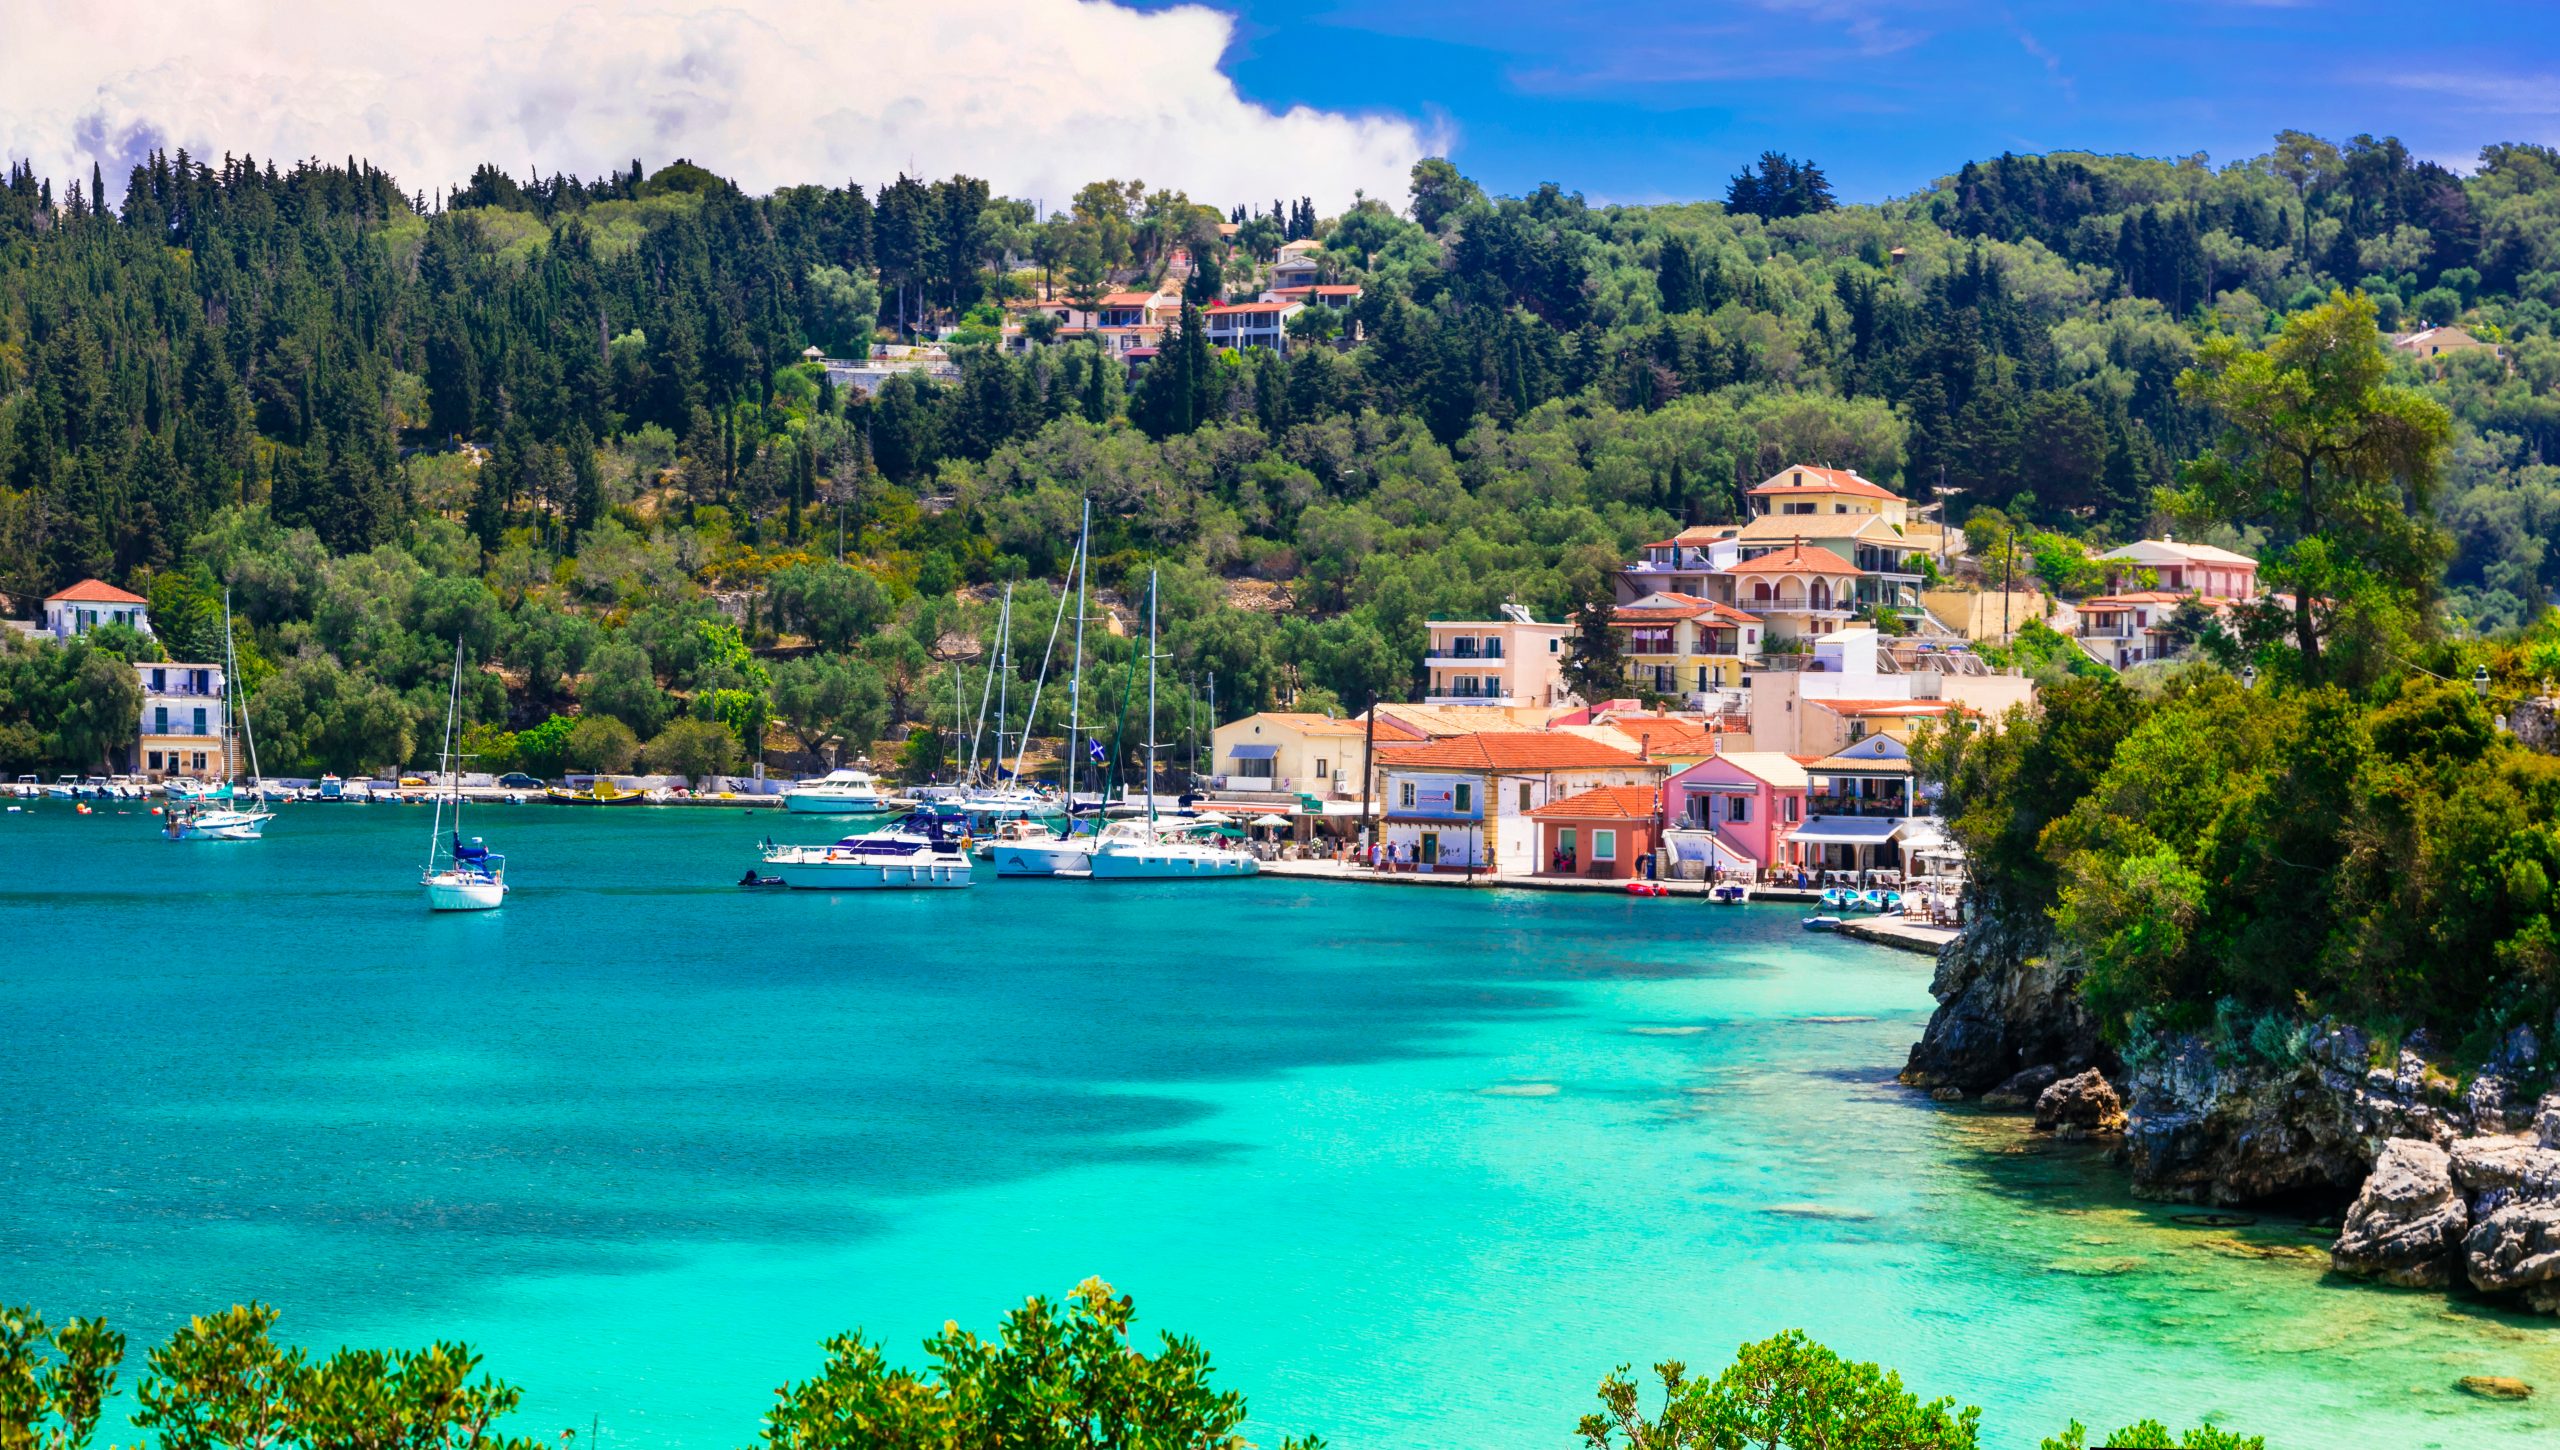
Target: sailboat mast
230, 687
1151, 702
1004, 681
1048, 652
453, 698
1075, 684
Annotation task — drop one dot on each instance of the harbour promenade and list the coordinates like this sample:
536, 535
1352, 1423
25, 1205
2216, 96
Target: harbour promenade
1891, 931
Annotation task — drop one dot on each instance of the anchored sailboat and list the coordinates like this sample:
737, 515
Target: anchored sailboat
472, 878
1127, 851
200, 819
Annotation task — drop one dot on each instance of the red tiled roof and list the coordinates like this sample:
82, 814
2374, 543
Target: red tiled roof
1796, 559
1604, 803
1224, 308
1930, 708
1126, 299
1827, 480
1320, 289
1662, 736
1511, 750
95, 591
2129, 600
1689, 607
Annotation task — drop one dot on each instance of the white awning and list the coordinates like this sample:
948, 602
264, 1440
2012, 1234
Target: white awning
1847, 830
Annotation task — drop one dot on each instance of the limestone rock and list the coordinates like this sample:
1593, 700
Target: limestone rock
2500, 1171
2086, 1102
2407, 1225
2022, 1088
2210, 1126
1948, 1094
2546, 1121
2006, 1000
2517, 1247
2495, 1387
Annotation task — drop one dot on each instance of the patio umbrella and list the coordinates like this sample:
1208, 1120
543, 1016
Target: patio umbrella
1270, 820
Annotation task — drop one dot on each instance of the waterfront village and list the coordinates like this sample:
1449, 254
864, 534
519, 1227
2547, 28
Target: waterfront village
1764, 738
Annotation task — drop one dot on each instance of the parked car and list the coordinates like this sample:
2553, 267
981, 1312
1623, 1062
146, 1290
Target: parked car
518, 780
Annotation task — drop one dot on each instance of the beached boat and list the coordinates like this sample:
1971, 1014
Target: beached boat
922, 851
845, 792
471, 877
599, 792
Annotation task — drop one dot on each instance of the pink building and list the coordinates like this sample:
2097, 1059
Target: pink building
1752, 800
2216, 574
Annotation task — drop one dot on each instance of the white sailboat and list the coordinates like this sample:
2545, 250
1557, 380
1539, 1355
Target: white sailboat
1128, 851
199, 819
472, 878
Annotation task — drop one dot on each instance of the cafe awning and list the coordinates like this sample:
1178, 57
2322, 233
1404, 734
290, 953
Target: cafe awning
1253, 752
1847, 830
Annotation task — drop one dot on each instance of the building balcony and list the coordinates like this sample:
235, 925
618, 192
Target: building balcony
1456, 659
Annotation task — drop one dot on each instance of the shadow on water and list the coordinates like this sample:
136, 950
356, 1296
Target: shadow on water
633, 1055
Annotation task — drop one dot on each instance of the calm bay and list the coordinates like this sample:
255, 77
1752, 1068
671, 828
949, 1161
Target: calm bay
1418, 1167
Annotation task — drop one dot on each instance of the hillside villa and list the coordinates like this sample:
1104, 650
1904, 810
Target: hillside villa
1514, 660
1749, 801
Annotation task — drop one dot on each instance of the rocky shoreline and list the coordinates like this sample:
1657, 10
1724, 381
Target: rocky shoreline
2446, 1180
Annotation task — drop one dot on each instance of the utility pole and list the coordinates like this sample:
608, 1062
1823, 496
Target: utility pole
2008, 576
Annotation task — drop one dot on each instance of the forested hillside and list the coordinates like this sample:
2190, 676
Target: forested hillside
568, 420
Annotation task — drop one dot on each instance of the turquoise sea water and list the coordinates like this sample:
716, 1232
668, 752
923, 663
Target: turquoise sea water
1418, 1167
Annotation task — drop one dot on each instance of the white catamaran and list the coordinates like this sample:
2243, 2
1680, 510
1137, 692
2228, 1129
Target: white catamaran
472, 878
208, 815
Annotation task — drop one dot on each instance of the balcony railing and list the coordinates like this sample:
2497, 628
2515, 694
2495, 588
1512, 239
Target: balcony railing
1878, 808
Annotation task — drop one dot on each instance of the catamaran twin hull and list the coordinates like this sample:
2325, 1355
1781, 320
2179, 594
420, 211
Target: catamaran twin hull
818, 873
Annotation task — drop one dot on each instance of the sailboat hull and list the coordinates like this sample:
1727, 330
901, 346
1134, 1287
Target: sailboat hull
1043, 858
219, 826
1170, 862
453, 891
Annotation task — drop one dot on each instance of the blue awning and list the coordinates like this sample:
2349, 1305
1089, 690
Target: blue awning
1253, 752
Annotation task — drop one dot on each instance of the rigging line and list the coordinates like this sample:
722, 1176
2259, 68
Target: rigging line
1040, 684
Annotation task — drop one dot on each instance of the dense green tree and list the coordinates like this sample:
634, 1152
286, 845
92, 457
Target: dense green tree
2319, 444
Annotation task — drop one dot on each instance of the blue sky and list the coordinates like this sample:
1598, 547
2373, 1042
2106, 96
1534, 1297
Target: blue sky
1649, 100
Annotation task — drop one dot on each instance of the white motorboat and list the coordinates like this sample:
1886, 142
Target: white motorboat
471, 877
846, 792
202, 823
1140, 850
920, 852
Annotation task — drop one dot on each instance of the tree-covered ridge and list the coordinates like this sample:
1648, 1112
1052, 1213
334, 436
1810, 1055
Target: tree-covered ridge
556, 415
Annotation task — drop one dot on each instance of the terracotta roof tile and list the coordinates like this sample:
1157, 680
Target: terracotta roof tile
1604, 803
1797, 559
95, 591
1825, 480
1511, 750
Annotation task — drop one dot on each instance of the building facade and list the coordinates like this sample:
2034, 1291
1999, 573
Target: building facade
1605, 833
1750, 800
184, 721
1463, 803
1679, 644
1514, 660
90, 603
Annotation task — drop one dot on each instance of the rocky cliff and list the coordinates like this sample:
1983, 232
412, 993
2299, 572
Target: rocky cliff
2006, 1003
2442, 1186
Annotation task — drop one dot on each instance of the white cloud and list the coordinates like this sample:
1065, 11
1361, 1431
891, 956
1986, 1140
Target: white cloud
1037, 96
